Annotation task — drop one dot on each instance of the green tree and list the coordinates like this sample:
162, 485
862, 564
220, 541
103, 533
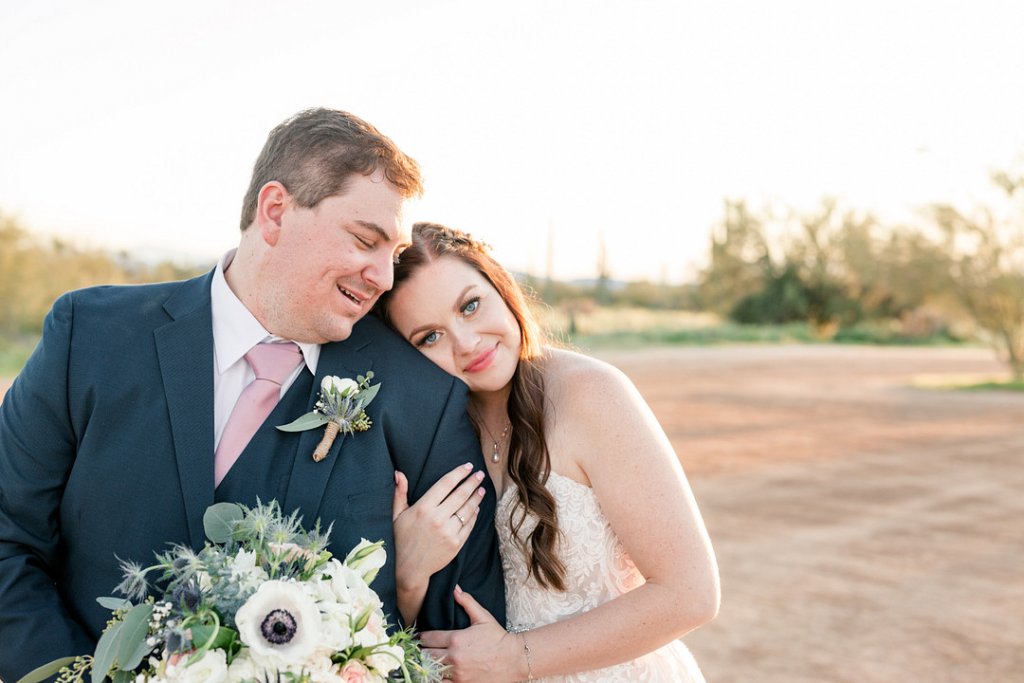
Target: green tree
985, 267
817, 254
740, 259
783, 299
34, 272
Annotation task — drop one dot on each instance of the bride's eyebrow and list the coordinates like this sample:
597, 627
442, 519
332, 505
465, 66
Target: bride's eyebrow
419, 330
462, 296
429, 326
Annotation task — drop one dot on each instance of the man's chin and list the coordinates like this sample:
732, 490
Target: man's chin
340, 330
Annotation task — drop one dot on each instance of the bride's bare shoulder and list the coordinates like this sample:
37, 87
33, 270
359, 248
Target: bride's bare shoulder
569, 375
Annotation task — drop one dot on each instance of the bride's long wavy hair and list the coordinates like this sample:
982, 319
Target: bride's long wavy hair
529, 463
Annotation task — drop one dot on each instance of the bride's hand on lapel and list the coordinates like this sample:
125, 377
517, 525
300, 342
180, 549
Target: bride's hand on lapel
432, 531
484, 652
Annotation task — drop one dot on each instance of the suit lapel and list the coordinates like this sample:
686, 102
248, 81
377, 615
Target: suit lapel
308, 481
185, 353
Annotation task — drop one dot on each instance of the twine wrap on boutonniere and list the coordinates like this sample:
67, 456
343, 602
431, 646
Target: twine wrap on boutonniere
341, 407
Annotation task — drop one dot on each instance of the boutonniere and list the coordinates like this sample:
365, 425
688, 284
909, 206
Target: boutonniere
340, 407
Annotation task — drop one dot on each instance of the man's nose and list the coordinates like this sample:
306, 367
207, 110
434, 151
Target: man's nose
380, 274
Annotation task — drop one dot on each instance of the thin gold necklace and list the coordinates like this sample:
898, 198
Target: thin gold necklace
497, 443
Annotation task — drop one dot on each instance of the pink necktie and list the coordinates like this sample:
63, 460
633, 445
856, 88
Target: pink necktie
272, 363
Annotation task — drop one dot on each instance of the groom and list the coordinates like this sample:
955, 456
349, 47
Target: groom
118, 433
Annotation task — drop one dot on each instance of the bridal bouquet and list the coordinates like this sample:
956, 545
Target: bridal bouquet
263, 601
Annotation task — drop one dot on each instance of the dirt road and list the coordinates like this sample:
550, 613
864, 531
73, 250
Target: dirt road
867, 531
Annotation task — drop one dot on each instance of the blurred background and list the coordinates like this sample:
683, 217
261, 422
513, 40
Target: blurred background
798, 226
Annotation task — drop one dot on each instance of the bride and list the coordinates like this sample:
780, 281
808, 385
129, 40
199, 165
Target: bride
606, 558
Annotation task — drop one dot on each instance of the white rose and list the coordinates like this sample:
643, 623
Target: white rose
374, 633
320, 669
209, 667
340, 386
249, 665
244, 669
386, 659
335, 632
280, 620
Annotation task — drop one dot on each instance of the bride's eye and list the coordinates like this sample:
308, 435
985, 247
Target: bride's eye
429, 339
471, 306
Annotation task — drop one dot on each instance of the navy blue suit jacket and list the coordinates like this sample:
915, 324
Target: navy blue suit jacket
106, 448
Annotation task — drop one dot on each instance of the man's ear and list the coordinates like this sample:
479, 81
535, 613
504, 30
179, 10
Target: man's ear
271, 203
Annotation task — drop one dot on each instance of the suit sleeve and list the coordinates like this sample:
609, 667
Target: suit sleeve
477, 567
37, 450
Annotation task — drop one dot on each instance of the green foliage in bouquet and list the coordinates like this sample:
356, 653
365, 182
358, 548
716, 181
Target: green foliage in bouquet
264, 600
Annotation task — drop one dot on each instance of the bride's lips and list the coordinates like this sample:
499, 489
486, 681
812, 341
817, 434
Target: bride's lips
482, 361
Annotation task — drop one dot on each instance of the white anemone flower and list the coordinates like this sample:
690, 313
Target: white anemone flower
280, 620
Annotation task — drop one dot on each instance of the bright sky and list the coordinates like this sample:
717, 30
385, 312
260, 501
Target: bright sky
135, 124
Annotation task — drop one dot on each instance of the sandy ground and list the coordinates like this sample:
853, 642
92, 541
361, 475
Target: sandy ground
866, 530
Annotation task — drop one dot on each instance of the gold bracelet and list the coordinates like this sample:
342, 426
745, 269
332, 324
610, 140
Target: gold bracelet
526, 651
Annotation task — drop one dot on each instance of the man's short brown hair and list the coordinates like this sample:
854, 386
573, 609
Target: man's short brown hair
314, 153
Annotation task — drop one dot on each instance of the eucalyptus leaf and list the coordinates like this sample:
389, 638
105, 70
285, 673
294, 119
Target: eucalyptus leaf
132, 648
46, 670
135, 658
114, 604
123, 676
307, 421
369, 393
106, 651
219, 519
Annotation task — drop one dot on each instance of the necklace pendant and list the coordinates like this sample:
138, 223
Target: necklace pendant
494, 456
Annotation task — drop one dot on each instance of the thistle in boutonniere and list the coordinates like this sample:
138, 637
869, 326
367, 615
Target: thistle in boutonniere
341, 407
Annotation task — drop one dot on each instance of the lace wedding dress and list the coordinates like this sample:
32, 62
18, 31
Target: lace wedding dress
597, 570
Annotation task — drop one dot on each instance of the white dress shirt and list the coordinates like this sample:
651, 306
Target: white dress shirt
235, 331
